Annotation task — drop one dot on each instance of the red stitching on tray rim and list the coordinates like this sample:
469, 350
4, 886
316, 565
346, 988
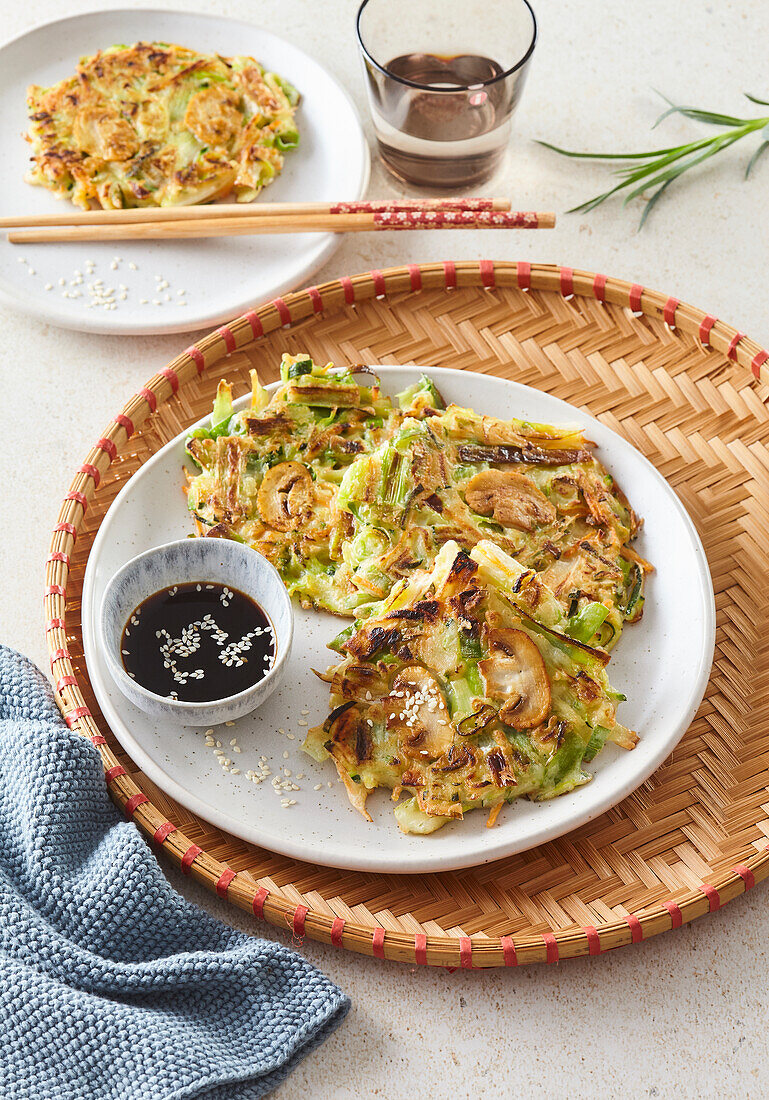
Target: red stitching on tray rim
758, 359
97, 739
599, 288
316, 299
283, 311
706, 324
636, 931
420, 948
227, 335
58, 555
171, 377
89, 469
488, 275
731, 351
593, 939
260, 897
59, 655
348, 288
68, 528
126, 423
746, 875
336, 931
149, 397
377, 277
163, 831
65, 682
79, 498
113, 773
55, 624
509, 955
108, 447
297, 924
56, 590
553, 954
669, 311
566, 279
466, 952
450, 274
197, 357
133, 802
710, 892
223, 882
377, 943
189, 858
255, 322
415, 276
79, 712
634, 297
523, 278
676, 917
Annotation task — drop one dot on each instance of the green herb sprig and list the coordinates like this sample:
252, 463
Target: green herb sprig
658, 168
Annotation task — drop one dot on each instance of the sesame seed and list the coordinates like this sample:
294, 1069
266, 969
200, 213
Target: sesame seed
285, 756
318, 787
226, 723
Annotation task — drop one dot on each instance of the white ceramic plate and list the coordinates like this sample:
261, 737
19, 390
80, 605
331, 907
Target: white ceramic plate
662, 665
220, 278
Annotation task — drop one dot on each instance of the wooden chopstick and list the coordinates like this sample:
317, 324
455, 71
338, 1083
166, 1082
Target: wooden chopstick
309, 223
212, 211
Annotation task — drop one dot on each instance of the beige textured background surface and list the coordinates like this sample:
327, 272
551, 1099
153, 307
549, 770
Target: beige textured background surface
685, 1013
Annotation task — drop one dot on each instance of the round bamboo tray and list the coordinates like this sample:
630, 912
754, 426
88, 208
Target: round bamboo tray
689, 392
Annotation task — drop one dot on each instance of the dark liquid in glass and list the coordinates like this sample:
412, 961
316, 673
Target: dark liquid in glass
452, 137
198, 642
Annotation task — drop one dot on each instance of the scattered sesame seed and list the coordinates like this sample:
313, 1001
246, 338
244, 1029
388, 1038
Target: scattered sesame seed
285, 756
32, 271
226, 723
318, 787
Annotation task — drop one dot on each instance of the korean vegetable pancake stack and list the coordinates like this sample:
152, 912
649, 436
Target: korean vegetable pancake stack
158, 125
485, 562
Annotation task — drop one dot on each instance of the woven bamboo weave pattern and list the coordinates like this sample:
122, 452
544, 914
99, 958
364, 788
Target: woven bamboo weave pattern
690, 393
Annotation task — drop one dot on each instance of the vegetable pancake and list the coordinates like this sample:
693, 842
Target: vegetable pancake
460, 690
155, 124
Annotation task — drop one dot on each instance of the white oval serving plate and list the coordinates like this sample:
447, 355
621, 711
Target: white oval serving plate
219, 277
662, 665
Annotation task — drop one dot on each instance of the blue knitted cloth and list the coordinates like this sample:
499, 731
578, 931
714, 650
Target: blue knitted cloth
111, 985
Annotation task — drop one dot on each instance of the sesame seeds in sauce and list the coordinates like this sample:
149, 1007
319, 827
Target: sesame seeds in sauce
198, 643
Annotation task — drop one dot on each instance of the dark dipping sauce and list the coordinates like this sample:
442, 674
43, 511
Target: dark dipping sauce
198, 642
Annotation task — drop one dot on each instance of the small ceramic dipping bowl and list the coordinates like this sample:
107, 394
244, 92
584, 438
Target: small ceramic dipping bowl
198, 560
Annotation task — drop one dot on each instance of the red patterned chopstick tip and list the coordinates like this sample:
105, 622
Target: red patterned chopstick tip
634, 297
420, 948
78, 712
509, 957
348, 288
593, 940
455, 219
757, 363
79, 498
377, 943
133, 803
386, 206
450, 274
255, 322
223, 882
197, 357
91, 471
297, 923
126, 423
706, 324
229, 339
108, 447
465, 952
57, 555
317, 302
171, 377
523, 274
379, 283
567, 281
149, 397
283, 311
336, 932
746, 875
189, 858
113, 773
676, 917
553, 954
669, 311
163, 831
257, 905
488, 275
599, 288
55, 624
67, 528
415, 276
714, 899
634, 924
731, 351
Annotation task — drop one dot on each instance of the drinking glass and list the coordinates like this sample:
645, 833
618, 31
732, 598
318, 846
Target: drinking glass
443, 80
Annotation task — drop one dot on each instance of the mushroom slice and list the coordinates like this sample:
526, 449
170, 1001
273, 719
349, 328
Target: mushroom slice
512, 498
417, 711
285, 496
515, 673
